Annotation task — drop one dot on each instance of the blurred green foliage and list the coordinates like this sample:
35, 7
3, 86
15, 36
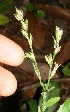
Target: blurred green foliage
66, 69
5, 5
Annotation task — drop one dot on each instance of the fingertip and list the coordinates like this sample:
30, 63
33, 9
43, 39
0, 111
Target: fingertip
8, 83
18, 57
10, 52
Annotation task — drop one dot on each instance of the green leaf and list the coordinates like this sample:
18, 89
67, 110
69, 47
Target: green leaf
54, 92
51, 108
4, 6
66, 71
51, 93
65, 107
51, 102
33, 105
4, 20
29, 6
40, 14
68, 64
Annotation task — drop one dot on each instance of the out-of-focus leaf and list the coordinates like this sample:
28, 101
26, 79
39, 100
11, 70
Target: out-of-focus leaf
4, 6
33, 105
37, 32
65, 107
68, 64
29, 6
4, 20
66, 71
40, 14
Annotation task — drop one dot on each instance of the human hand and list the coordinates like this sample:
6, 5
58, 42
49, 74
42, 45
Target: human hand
11, 54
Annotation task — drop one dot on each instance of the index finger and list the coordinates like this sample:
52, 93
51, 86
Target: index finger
10, 53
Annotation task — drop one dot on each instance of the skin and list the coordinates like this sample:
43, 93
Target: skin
11, 54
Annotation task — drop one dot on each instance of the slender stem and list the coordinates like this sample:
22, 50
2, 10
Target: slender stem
49, 77
50, 70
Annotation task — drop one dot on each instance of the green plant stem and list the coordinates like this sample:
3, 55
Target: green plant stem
49, 76
50, 59
50, 70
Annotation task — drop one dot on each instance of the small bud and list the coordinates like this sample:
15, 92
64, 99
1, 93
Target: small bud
19, 15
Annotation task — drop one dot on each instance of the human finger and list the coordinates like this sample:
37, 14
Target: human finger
8, 83
10, 52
